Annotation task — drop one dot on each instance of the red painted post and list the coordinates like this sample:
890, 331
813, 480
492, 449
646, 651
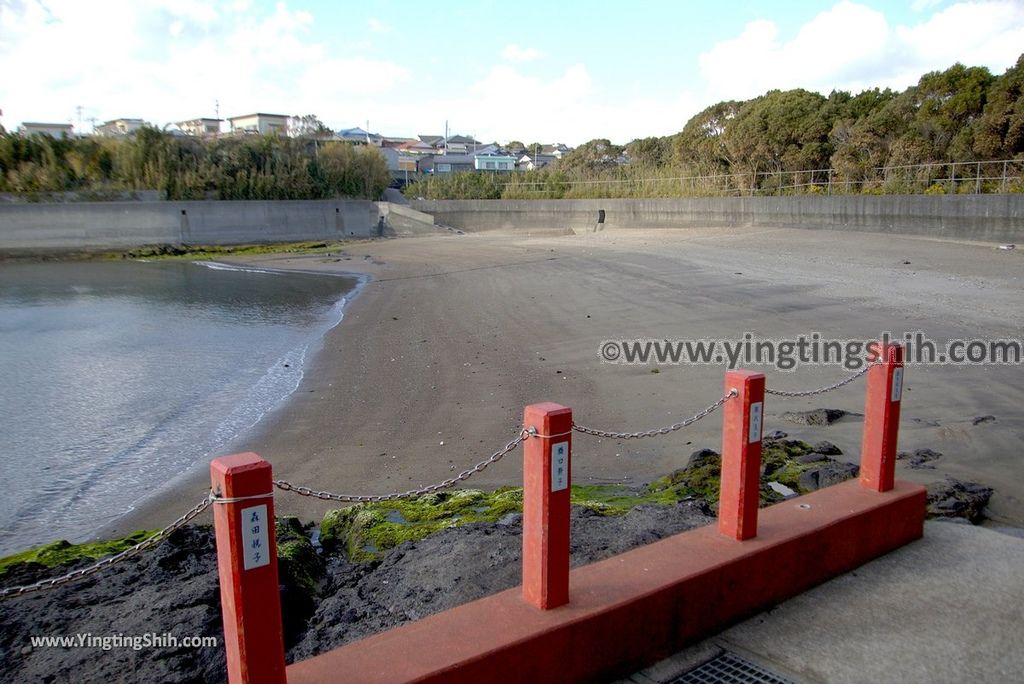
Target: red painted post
742, 427
546, 482
247, 567
882, 418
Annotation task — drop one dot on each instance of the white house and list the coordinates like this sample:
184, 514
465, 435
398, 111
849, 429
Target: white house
260, 123
494, 161
118, 128
200, 128
54, 130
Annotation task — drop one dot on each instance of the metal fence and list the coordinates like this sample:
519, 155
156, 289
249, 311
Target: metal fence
970, 177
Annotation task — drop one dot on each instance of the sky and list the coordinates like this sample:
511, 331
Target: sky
566, 71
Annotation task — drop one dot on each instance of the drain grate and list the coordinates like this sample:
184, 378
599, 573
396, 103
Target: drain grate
729, 668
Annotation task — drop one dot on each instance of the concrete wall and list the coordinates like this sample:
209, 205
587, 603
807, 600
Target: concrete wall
987, 218
94, 226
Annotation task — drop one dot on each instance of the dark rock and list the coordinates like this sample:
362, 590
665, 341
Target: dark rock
954, 498
701, 457
813, 457
920, 458
776, 434
827, 448
978, 420
832, 472
818, 416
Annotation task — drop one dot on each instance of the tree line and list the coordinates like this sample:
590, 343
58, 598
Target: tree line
186, 168
962, 114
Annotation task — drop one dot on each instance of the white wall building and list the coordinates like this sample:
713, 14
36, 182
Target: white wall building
263, 124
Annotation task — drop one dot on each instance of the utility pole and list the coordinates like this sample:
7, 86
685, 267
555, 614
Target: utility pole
78, 109
446, 137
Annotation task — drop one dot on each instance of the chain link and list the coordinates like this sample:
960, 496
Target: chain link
657, 431
429, 489
144, 545
821, 390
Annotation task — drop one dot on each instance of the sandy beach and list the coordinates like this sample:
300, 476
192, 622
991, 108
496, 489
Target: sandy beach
453, 334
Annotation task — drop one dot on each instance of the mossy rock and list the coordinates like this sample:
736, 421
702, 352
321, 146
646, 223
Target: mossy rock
62, 552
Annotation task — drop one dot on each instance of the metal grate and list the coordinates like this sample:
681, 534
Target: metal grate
729, 668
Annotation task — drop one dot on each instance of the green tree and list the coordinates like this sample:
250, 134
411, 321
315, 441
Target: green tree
649, 152
595, 155
700, 143
999, 132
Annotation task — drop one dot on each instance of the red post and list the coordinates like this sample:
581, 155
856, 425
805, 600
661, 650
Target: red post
742, 427
546, 483
247, 567
882, 418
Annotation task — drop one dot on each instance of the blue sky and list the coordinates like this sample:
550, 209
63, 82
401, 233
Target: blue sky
534, 71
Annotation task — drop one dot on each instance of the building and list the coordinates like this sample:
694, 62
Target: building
200, 128
54, 130
531, 162
119, 128
360, 137
446, 163
260, 124
494, 160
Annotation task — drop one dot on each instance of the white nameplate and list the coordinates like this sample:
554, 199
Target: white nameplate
255, 538
559, 466
756, 409
897, 384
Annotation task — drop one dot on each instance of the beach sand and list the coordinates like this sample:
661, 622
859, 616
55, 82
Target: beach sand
453, 334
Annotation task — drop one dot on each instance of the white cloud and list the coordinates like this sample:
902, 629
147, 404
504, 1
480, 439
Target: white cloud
167, 60
377, 26
518, 54
922, 5
853, 47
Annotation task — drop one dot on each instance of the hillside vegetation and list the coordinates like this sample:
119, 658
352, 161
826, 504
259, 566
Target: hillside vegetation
774, 142
184, 168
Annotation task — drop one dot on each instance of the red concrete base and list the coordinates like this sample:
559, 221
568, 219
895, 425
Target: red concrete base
636, 608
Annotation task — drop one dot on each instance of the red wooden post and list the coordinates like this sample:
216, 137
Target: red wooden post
742, 427
546, 482
247, 567
882, 418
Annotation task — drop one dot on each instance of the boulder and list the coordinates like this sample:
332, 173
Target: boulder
954, 498
830, 473
818, 416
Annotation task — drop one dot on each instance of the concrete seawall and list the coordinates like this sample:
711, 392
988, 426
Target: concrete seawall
986, 218
96, 226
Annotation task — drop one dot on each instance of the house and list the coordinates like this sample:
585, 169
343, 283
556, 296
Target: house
260, 123
531, 162
456, 144
200, 128
119, 128
558, 150
391, 141
399, 161
54, 130
360, 137
446, 163
493, 160
416, 147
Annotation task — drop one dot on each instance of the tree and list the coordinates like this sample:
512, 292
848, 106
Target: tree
596, 155
649, 152
515, 147
700, 142
309, 126
999, 132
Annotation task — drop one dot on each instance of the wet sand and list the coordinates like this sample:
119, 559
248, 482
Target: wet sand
454, 334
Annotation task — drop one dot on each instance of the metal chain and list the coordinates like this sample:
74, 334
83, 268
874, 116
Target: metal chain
144, 545
657, 431
821, 390
451, 482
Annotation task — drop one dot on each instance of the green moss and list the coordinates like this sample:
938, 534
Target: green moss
62, 552
206, 252
298, 561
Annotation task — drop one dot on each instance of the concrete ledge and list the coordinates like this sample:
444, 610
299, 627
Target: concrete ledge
632, 610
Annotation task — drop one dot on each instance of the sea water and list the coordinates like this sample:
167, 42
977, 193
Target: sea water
115, 377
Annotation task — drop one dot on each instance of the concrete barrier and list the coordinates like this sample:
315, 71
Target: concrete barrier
97, 226
403, 220
984, 218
